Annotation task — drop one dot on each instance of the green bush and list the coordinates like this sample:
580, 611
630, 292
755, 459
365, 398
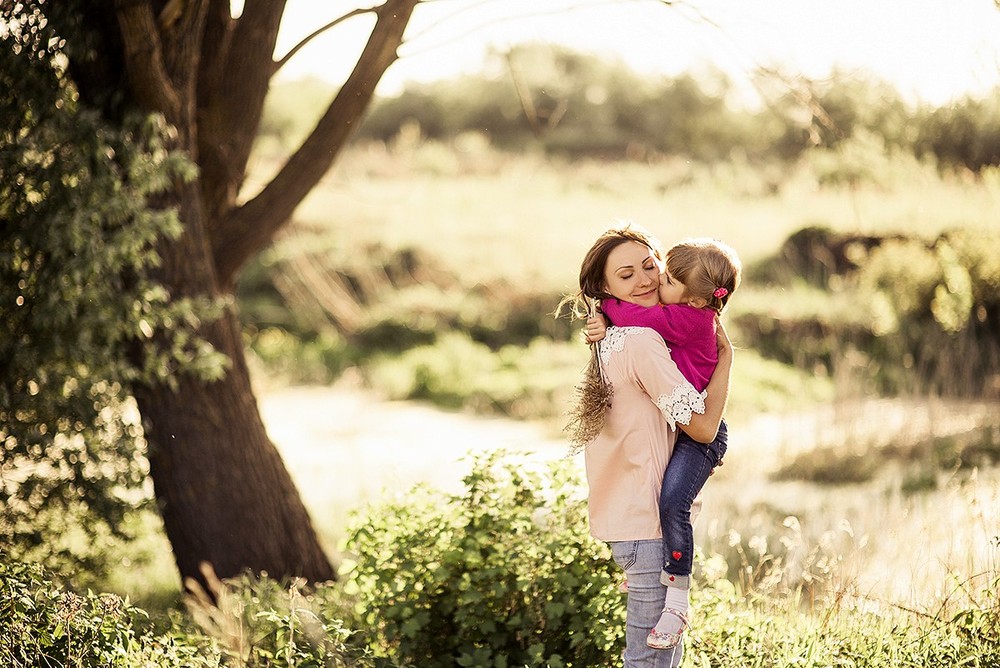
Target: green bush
503, 574
258, 622
907, 312
935, 314
243, 623
44, 625
316, 358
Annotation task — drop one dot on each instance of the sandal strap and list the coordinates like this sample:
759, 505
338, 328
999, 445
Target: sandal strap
679, 615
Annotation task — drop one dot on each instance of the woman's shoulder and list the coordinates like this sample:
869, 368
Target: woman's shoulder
629, 340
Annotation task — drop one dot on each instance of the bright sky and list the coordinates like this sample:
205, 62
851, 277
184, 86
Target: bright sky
931, 50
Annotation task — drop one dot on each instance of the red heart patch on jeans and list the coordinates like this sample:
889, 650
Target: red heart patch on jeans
676, 555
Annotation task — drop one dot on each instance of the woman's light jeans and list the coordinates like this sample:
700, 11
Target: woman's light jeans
642, 561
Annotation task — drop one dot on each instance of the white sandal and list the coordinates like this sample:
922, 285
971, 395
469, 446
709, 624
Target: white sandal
660, 639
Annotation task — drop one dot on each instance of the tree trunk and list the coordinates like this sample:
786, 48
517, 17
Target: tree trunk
222, 489
221, 486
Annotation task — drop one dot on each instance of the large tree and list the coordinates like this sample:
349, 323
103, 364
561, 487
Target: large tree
222, 489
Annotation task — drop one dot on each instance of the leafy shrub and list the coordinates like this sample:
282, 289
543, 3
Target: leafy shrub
319, 358
504, 574
934, 312
247, 622
259, 622
921, 314
44, 625
457, 372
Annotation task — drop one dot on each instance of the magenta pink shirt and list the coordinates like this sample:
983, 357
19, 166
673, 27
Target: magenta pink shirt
688, 331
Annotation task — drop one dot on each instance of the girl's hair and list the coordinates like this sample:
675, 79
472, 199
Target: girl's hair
708, 268
594, 263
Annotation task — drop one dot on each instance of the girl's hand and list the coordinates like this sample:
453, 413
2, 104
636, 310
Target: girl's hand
597, 327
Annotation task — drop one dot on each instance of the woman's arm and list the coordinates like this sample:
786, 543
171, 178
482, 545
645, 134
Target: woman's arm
704, 427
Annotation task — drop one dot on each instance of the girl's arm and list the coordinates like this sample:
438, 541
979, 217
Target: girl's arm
658, 318
597, 328
704, 427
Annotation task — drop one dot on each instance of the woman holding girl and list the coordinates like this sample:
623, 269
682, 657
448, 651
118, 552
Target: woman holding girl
699, 277
627, 459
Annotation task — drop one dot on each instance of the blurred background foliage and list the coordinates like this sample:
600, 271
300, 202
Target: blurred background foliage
578, 105
854, 284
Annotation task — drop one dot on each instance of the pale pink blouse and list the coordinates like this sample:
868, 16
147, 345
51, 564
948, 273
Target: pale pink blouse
625, 463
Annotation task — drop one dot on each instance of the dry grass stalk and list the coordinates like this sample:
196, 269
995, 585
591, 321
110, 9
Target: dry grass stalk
593, 399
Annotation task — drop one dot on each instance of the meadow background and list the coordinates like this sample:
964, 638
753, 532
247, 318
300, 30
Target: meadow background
412, 372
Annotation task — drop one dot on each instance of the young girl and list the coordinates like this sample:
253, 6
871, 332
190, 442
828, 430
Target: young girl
700, 277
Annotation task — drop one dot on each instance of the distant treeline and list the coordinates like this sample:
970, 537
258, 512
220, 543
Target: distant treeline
579, 105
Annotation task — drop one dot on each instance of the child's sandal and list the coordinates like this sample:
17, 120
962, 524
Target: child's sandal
661, 640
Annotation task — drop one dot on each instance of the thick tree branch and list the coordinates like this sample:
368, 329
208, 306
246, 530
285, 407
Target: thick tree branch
147, 73
252, 227
182, 31
298, 47
219, 27
232, 86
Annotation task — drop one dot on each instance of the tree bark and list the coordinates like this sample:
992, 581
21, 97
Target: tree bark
221, 487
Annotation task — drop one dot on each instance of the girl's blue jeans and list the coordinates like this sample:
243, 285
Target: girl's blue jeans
642, 561
690, 465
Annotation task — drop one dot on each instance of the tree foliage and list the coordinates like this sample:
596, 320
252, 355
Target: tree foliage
77, 307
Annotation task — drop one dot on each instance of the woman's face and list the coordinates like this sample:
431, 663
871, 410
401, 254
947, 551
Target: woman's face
632, 274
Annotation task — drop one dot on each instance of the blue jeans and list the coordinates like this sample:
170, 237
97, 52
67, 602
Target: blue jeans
642, 560
690, 465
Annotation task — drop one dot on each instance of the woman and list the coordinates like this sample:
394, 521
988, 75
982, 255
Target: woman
626, 461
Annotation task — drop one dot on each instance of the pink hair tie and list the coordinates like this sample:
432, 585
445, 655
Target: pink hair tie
720, 292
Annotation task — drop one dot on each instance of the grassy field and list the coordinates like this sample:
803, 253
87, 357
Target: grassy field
529, 220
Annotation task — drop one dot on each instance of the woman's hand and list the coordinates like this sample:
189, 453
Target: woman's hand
597, 327
722, 341
705, 427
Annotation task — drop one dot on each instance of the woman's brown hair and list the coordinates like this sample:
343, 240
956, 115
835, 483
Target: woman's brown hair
594, 393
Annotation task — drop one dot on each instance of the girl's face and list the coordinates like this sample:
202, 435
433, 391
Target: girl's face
671, 290
632, 274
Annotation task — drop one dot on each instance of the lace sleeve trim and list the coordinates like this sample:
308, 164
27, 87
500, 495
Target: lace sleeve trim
681, 404
614, 342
